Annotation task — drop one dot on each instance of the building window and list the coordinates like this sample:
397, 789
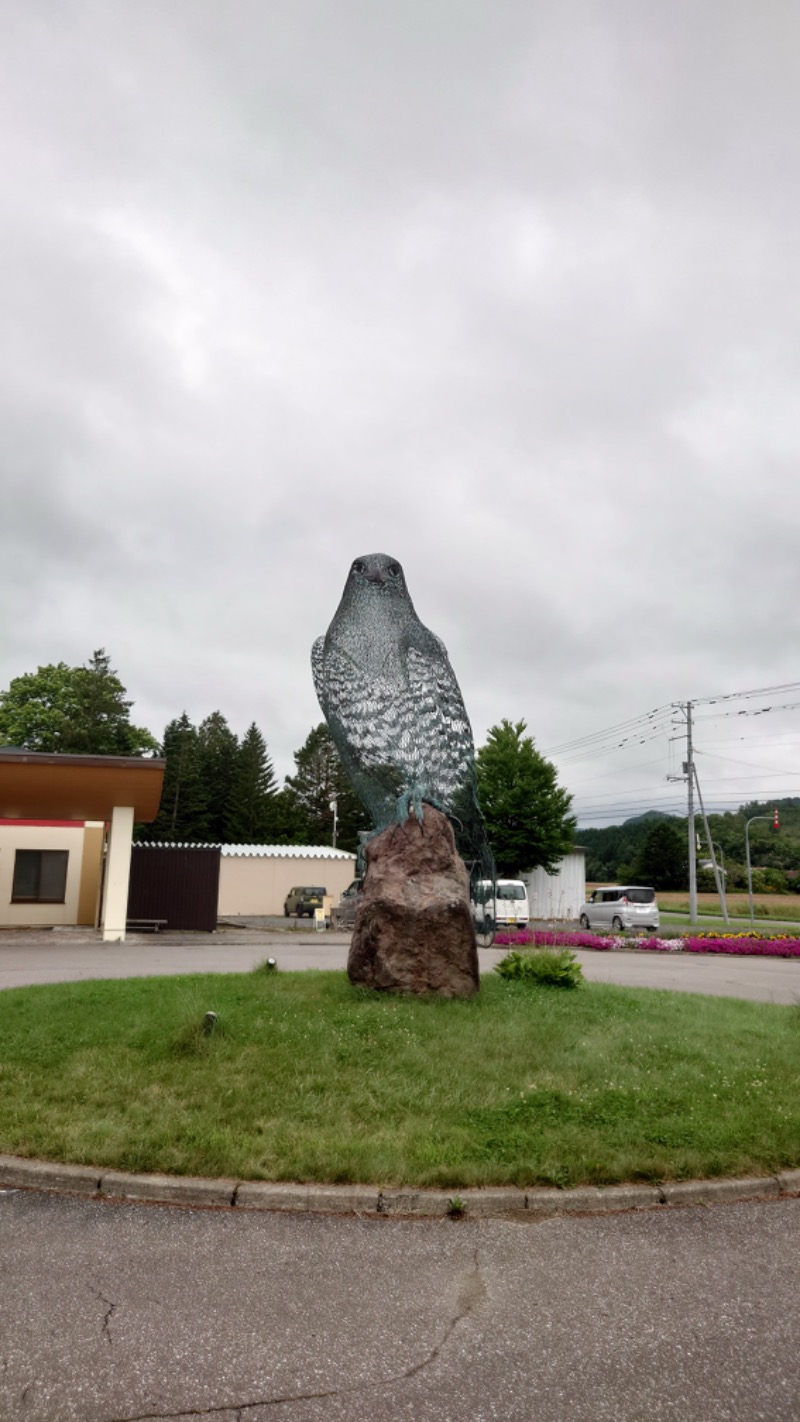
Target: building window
40, 876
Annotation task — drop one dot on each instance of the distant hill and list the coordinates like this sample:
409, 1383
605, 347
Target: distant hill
611, 851
649, 817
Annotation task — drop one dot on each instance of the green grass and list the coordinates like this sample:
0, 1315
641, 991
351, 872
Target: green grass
765, 927
307, 1078
785, 907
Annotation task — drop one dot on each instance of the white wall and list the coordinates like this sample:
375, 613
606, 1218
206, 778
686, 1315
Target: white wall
258, 884
14, 837
559, 895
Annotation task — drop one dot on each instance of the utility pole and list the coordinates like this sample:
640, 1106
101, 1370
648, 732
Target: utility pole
689, 771
689, 776
720, 882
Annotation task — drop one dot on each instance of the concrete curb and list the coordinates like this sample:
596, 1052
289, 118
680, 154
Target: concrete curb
492, 1203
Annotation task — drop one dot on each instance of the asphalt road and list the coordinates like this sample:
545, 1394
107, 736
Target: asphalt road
114, 1312
68, 955
111, 1312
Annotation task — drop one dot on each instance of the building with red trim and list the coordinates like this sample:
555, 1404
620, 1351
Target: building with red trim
66, 830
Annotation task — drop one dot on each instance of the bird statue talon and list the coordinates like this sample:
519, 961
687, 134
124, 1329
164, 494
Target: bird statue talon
410, 799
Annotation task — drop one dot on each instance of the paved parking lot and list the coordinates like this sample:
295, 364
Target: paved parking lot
66, 955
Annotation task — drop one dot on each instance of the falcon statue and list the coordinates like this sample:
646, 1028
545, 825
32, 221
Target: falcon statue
395, 711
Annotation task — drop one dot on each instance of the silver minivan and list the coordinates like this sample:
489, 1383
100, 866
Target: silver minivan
619, 907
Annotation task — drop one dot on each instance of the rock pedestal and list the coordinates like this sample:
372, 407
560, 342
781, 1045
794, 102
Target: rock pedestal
413, 930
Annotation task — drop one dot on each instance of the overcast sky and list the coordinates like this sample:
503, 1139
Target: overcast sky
506, 290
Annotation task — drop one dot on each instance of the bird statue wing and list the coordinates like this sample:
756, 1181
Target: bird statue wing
411, 728
365, 714
439, 715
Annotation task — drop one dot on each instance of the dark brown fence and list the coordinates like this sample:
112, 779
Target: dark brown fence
174, 887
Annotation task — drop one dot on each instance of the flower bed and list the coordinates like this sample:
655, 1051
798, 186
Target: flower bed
543, 938
744, 945
778, 945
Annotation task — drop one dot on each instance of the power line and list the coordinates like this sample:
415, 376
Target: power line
762, 710
730, 803
607, 774
609, 731
741, 695
629, 794
758, 745
731, 760
600, 806
664, 713
606, 748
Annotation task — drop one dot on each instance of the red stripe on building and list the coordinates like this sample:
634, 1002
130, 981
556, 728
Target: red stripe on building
44, 824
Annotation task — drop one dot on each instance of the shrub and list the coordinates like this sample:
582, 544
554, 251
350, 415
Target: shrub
542, 968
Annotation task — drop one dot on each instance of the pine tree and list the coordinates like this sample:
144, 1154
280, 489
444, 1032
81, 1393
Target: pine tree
183, 815
663, 860
320, 778
250, 813
218, 750
288, 821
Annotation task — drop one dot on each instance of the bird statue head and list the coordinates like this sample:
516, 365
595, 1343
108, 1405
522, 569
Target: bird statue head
377, 575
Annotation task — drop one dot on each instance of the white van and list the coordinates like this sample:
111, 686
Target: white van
508, 907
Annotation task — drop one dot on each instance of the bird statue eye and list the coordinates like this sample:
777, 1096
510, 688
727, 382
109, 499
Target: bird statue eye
359, 567
394, 569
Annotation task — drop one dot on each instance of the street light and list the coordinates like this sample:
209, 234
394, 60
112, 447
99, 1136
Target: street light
747, 854
334, 804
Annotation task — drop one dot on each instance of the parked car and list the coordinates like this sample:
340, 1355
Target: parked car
506, 903
303, 901
344, 914
621, 906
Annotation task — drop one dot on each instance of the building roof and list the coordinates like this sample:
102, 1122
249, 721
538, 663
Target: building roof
287, 851
262, 851
35, 785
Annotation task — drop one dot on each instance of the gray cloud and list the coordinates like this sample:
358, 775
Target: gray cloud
508, 293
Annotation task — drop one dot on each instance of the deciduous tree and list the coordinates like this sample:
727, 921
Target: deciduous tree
527, 813
72, 711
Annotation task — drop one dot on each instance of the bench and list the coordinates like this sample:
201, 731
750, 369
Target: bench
146, 925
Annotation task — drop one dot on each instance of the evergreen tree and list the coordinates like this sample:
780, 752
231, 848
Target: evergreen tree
663, 860
528, 822
218, 750
320, 778
288, 821
183, 815
250, 814
72, 711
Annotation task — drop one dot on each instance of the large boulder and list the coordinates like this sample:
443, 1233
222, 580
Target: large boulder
413, 931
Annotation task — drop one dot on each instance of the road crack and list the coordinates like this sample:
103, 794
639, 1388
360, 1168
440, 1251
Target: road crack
111, 1308
471, 1295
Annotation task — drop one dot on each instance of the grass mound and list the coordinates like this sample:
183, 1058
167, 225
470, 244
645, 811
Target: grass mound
303, 1077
